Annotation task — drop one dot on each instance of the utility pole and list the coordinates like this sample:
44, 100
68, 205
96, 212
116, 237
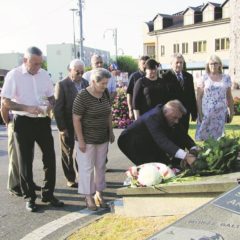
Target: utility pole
114, 31
74, 38
81, 53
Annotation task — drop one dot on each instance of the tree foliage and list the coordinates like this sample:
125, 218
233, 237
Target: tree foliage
127, 64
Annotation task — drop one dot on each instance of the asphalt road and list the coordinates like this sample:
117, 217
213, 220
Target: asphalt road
52, 223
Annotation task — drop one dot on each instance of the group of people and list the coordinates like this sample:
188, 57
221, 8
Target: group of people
82, 110
160, 104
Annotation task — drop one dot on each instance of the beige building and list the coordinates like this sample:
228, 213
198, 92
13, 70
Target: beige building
196, 32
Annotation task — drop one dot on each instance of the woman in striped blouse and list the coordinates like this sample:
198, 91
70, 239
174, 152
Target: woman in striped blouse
92, 120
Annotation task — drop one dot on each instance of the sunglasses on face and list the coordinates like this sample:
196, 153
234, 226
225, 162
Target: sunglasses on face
79, 72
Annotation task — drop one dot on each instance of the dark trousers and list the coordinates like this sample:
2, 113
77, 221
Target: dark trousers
67, 148
140, 152
28, 131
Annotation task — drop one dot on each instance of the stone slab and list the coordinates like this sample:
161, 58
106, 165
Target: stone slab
219, 220
210, 184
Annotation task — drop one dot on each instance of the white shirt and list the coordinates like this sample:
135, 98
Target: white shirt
24, 88
112, 82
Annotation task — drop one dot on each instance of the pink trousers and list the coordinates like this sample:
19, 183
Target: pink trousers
91, 168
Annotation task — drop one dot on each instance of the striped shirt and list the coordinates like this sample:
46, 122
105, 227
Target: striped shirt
95, 116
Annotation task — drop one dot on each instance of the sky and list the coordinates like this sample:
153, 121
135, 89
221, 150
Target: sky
40, 22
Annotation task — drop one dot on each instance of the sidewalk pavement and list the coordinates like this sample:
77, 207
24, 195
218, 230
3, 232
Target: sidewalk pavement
52, 223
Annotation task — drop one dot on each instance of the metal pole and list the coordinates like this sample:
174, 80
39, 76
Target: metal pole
115, 41
81, 53
74, 38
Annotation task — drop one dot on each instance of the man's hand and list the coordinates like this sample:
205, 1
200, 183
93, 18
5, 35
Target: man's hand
34, 110
64, 133
187, 161
190, 159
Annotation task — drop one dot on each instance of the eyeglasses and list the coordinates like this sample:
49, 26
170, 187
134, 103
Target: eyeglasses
213, 64
79, 72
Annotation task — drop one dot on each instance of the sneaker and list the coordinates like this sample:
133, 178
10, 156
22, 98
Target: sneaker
53, 201
31, 206
72, 184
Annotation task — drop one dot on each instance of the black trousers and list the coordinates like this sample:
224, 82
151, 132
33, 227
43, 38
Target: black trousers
67, 148
28, 131
140, 151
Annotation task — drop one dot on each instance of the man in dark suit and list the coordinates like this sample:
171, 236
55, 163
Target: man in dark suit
65, 93
156, 136
179, 84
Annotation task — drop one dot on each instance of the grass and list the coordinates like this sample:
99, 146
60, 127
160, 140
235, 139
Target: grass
118, 227
233, 127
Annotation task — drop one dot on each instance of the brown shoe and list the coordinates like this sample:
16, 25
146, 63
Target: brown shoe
90, 204
99, 201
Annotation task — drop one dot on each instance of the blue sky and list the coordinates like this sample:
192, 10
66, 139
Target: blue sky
33, 22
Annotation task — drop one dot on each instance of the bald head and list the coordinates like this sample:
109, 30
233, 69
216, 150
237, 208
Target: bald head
173, 111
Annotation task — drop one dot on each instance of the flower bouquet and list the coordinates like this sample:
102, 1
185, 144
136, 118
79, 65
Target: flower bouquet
149, 174
120, 110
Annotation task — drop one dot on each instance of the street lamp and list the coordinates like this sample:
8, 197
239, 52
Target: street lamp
114, 31
74, 39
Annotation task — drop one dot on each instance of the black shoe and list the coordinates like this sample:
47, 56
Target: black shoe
72, 184
31, 206
15, 192
53, 201
37, 188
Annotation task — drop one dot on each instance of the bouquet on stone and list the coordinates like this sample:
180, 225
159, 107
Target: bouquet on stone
216, 157
148, 174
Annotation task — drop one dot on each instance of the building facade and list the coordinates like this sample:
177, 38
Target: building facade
9, 61
60, 55
196, 32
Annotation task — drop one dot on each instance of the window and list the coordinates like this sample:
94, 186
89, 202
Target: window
151, 51
222, 44
184, 48
176, 48
199, 47
162, 50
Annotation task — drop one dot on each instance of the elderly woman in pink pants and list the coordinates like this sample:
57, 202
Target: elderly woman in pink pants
92, 120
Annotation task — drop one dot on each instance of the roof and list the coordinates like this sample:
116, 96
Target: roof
195, 9
211, 3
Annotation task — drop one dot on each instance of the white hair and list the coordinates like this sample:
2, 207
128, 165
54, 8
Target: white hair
76, 62
175, 105
99, 73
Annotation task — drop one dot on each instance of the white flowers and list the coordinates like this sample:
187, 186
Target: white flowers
148, 174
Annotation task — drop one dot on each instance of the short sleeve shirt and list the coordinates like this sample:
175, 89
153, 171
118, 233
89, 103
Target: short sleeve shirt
95, 116
24, 88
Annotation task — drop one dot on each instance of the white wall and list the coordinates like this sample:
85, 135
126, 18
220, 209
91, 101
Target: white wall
9, 61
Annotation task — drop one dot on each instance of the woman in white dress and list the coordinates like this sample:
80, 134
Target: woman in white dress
214, 101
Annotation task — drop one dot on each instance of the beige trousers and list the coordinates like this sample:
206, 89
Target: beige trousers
91, 167
13, 168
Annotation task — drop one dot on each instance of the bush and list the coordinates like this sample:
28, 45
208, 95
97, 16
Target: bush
236, 102
127, 64
120, 109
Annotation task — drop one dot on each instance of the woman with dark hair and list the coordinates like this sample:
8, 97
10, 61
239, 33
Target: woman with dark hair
214, 101
149, 90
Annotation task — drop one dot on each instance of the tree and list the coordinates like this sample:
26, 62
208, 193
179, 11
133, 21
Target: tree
127, 64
